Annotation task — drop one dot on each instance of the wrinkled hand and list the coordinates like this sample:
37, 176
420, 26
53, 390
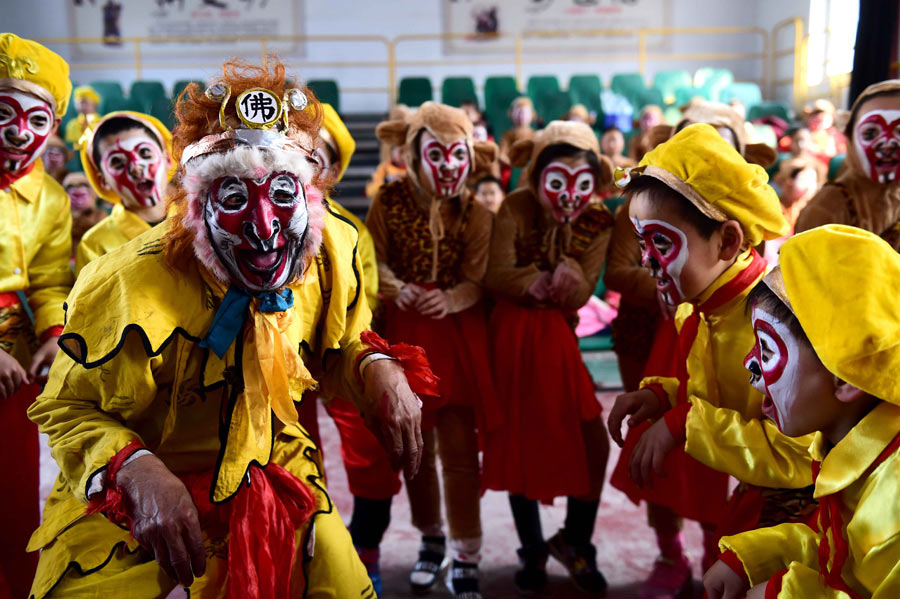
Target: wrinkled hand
650, 453
397, 421
408, 296
566, 280
640, 405
12, 375
721, 582
665, 308
165, 518
44, 356
540, 288
434, 303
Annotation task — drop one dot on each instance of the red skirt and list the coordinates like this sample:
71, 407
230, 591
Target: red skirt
457, 350
546, 393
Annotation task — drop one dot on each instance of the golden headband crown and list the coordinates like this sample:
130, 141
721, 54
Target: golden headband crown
257, 107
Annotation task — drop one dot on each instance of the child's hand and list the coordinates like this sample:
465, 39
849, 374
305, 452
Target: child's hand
640, 405
757, 592
566, 279
408, 296
433, 303
721, 582
650, 453
12, 375
540, 288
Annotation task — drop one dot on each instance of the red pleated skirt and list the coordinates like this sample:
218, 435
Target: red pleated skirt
457, 350
546, 393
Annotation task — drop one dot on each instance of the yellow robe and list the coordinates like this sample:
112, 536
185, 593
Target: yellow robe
120, 227
726, 429
870, 511
35, 245
131, 368
366, 249
75, 128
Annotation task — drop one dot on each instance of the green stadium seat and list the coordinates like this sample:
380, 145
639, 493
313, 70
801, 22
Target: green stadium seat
647, 97
553, 106
108, 89
685, 94
414, 91
326, 90
457, 90
145, 93
164, 110
585, 89
672, 115
499, 93
630, 85
763, 109
71, 112
539, 85
834, 166
183, 83
713, 80
746, 91
114, 104
669, 82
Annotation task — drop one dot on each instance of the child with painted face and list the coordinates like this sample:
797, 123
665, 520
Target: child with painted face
547, 252
35, 247
826, 359
127, 159
431, 239
866, 193
86, 102
698, 207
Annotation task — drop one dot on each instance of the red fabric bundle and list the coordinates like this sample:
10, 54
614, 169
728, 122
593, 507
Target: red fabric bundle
418, 372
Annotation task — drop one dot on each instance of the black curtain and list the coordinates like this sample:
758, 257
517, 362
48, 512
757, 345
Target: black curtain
876, 43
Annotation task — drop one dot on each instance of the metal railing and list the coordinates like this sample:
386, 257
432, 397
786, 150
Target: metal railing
519, 57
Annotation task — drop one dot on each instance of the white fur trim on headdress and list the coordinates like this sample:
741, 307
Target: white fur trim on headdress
246, 162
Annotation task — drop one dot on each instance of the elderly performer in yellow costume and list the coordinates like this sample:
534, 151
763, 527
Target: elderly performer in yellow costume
172, 409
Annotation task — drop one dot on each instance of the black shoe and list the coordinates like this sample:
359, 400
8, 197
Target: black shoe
432, 559
532, 577
463, 580
581, 562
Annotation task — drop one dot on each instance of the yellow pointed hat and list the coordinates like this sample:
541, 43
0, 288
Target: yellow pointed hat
164, 137
30, 67
842, 284
340, 136
700, 165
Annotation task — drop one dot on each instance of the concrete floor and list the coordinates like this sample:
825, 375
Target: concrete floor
625, 545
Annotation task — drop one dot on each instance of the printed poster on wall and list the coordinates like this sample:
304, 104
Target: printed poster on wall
491, 25
113, 20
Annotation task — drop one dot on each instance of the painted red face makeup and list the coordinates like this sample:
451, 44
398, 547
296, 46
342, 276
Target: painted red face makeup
135, 168
566, 191
772, 364
445, 166
877, 140
25, 126
81, 197
664, 250
257, 227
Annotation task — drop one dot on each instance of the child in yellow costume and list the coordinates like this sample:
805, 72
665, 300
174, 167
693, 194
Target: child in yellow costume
173, 409
127, 157
698, 208
35, 245
86, 102
827, 360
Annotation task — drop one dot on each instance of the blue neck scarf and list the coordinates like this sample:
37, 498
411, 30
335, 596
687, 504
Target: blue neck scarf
232, 313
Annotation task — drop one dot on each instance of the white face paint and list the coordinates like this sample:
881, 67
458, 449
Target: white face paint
773, 364
877, 141
664, 250
26, 123
565, 190
135, 168
444, 166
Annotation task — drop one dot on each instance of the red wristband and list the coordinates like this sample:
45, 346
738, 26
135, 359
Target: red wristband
661, 395
412, 358
676, 420
730, 559
111, 501
54, 331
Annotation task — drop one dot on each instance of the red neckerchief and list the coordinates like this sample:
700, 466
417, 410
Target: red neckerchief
7, 179
719, 298
830, 519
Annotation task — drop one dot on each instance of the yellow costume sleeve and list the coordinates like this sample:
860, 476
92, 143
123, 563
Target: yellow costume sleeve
766, 551
366, 249
83, 410
84, 253
802, 581
669, 385
752, 450
49, 274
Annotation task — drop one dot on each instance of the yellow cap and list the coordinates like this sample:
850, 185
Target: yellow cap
700, 165
30, 67
86, 92
87, 149
842, 284
340, 136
